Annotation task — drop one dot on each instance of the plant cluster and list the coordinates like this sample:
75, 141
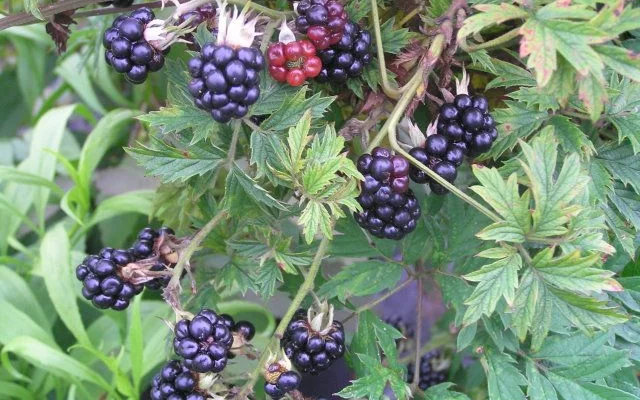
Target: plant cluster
477, 163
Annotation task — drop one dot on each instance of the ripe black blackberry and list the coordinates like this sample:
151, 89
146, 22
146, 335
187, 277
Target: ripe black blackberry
467, 120
285, 382
312, 344
102, 282
347, 58
226, 74
128, 50
175, 381
323, 21
431, 373
203, 342
389, 208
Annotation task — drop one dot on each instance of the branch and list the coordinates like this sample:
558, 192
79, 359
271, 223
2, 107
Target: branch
273, 344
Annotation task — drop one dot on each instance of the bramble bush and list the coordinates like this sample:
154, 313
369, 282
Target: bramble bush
334, 154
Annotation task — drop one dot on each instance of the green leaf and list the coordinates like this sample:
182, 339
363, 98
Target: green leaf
442, 392
47, 135
140, 201
136, 344
571, 138
570, 389
585, 313
372, 385
267, 278
552, 193
108, 132
362, 279
622, 112
72, 70
173, 164
16, 323
293, 108
503, 378
15, 175
181, 116
596, 367
573, 272
490, 14
272, 95
51, 360
57, 271
539, 386
14, 290
532, 309
240, 185
622, 163
592, 92
495, 281
620, 60
393, 40
505, 199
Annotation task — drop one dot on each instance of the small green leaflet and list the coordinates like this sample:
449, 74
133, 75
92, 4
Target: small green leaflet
622, 163
503, 378
622, 112
172, 164
372, 337
362, 279
443, 392
394, 40
372, 385
495, 281
293, 108
240, 185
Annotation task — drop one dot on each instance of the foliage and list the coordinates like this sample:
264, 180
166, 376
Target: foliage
536, 263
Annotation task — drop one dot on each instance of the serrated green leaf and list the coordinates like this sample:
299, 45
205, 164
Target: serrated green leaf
362, 279
239, 186
272, 95
570, 389
539, 386
586, 313
573, 272
620, 60
532, 309
266, 279
394, 40
172, 164
495, 281
592, 92
622, 163
294, 107
180, 117
490, 14
571, 137
503, 378
442, 392
594, 368
627, 202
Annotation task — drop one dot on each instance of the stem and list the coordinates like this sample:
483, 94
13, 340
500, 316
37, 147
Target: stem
262, 9
412, 86
410, 16
416, 375
48, 11
377, 301
174, 288
394, 93
306, 287
231, 156
497, 42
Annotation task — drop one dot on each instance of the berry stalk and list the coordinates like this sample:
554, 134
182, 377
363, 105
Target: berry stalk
499, 41
274, 343
172, 292
391, 92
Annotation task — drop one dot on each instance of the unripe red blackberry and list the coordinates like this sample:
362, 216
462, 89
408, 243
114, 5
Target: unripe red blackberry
203, 341
128, 50
347, 58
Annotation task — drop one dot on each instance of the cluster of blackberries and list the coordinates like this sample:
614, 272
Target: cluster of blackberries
309, 350
348, 57
293, 62
205, 341
176, 382
389, 208
465, 127
101, 274
429, 375
128, 52
226, 81
323, 21
283, 382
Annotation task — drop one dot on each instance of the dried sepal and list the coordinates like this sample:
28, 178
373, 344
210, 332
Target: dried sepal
235, 29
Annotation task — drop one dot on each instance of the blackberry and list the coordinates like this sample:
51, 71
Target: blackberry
128, 52
203, 342
205, 14
430, 375
102, 282
347, 58
467, 119
389, 208
312, 349
175, 381
286, 382
323, 21
441, 156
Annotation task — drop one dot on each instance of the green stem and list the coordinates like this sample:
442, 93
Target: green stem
306, 287
394, 93
416, 376
378, 300
185, 255
497, 42
410, 16
398, 110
